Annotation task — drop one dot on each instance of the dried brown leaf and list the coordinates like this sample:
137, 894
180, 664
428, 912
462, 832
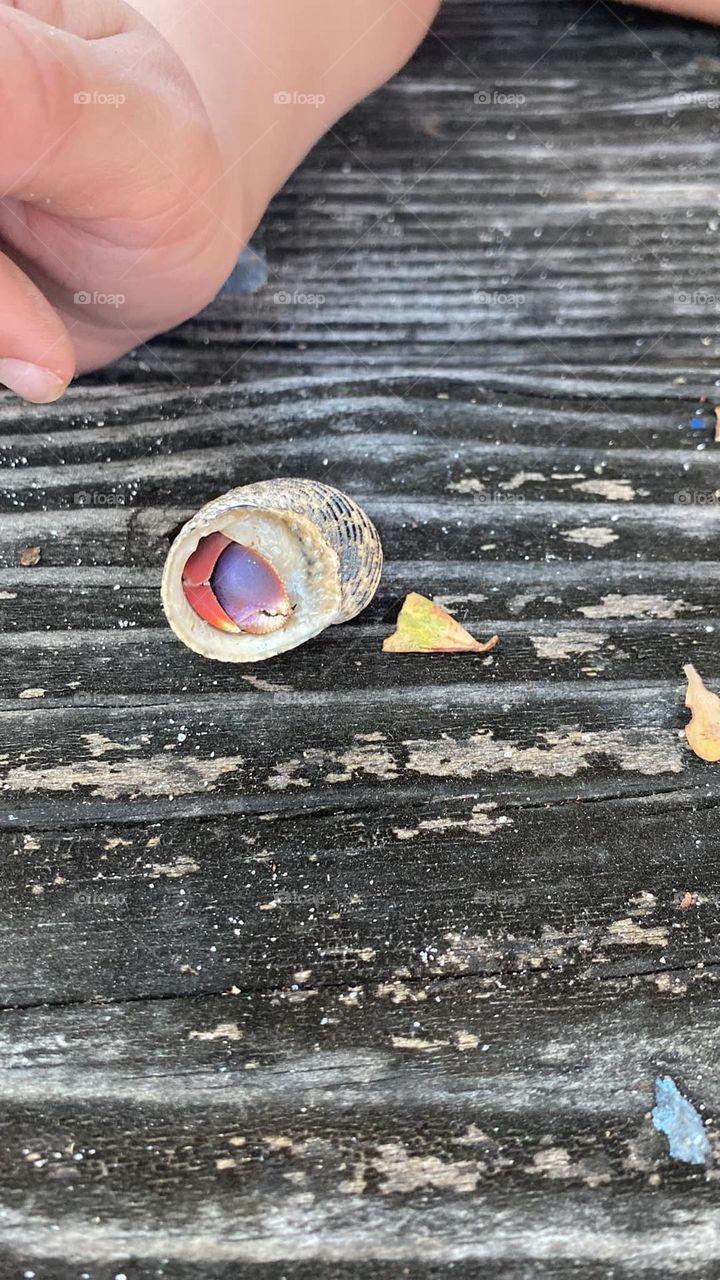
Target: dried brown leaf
703, 731
425, 627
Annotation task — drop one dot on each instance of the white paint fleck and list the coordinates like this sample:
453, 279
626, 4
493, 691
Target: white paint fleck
628, 933
637, 606
400, 993
470, 1137
599, 536
182, 866
561, 753
612, 490
466, 1040
521, 478
364, 757
466, 951
553, 1162
516, 604
158, 775
418, 1044
99, 745
479, 821
567, 643
670, 982
469, 484
286, 775
223, 1031
465, 597
354, 1185
642, 902
405, 1173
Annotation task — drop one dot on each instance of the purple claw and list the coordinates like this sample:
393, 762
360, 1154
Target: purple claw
250, 591
196, 582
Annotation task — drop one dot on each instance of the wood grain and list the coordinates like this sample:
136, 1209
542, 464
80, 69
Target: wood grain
289, 1128
346, 966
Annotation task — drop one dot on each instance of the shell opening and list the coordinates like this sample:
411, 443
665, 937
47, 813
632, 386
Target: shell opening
234, 588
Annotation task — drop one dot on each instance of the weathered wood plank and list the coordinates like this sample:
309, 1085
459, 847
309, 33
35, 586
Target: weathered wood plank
464, 912
412, 528
68, 764
433, 886
561, 591
433, 1123
143, 667
569, 421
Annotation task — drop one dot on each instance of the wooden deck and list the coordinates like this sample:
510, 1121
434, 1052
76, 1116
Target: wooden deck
352, 965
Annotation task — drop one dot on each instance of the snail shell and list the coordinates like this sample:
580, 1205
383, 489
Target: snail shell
319, 541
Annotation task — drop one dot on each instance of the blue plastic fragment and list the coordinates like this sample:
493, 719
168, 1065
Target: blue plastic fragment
677, 1118
249, 274
697, 423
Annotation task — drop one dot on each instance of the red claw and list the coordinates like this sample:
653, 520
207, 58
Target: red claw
196, 582
203, 601
199, 566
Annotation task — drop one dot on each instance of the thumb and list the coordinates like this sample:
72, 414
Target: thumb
37, 359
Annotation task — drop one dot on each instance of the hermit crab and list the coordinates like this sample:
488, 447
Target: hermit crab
264, 568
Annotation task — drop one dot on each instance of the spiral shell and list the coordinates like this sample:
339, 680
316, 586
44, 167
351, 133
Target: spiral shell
320, 543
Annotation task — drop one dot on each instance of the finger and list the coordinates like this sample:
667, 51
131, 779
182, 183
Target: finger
37, 359
707, 10
79, 131
84, 18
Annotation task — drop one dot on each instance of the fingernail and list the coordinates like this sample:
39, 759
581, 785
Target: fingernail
31, 381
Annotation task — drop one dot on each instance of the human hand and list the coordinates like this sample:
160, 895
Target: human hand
141, 143
113, 226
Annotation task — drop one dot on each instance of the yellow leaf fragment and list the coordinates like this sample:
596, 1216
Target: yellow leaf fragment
425, 627
703, 731
717, 423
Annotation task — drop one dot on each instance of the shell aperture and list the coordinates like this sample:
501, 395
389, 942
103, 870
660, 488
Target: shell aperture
235, 588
